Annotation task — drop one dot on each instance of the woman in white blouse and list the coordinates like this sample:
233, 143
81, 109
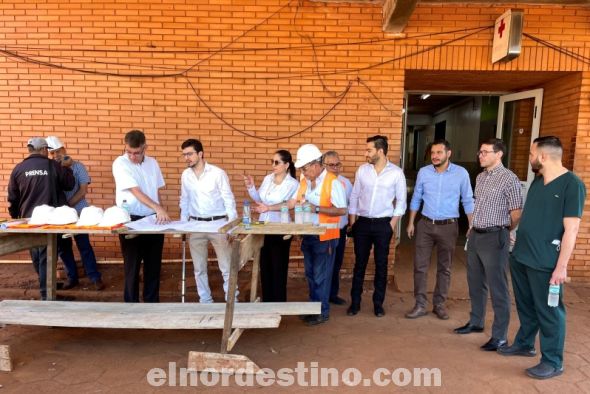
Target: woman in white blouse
277, 187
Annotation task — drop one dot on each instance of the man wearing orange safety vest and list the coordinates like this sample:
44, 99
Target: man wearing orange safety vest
327, 197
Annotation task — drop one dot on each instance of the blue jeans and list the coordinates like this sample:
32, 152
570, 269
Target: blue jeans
39, 258
86, 253
318, 258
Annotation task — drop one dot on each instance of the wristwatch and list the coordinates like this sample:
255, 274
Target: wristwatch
317, 209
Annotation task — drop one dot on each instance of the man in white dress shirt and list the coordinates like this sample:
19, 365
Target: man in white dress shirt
138, 181
206, 196
377, 202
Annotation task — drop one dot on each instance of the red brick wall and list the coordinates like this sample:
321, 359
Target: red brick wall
269, 93
561, 106
580, 261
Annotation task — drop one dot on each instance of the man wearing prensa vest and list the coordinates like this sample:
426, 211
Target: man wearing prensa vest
327, 197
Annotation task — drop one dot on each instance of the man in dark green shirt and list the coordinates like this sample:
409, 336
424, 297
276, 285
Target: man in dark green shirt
545, 240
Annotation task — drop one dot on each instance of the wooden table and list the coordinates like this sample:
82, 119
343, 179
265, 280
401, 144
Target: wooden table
256, 315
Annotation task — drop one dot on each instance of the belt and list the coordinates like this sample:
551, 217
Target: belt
492, 229
375, 220
212, 218
136, 217
439, 222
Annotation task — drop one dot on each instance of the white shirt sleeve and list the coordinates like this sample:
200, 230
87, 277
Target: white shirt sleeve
400, 195
354, 195
123, 176
228, 197
184, 193
338, 196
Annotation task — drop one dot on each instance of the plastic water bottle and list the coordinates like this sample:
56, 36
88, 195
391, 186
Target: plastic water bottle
284, 212
298, 214
125, 206
553, 298
246, 217
307, 218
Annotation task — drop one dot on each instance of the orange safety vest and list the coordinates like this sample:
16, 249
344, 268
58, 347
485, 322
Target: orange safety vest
330, 222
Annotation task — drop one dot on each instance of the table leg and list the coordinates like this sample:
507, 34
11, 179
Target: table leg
255, 270
51, 266
231, 295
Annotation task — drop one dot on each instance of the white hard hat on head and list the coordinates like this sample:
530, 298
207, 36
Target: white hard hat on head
63, 215
306, 154
41, 214
53, 143
90, 216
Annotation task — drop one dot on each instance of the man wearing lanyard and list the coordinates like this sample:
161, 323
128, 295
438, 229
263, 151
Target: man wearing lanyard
327, 197
498, 204
138, 181
206, 196
439, 186
377, 202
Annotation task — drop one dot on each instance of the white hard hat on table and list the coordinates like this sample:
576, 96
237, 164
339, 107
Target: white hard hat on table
41, 214
90, 216
63, 215
113, 216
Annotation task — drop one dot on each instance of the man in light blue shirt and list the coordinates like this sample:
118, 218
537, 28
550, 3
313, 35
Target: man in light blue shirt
439, 186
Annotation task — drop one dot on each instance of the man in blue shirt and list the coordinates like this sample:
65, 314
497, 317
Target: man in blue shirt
439, 186
77, 199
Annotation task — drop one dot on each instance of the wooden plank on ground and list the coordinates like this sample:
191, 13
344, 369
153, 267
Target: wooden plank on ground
39, 313
221, 363
10, 243
5, 360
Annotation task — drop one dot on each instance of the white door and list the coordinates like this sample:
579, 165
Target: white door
519, 119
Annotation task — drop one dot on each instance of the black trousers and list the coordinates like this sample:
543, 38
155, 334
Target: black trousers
146, 248
370, 233
338, 259
274, 267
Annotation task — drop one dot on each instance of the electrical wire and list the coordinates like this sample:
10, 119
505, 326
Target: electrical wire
560, 49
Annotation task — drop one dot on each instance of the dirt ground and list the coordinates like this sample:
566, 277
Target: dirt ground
102, 360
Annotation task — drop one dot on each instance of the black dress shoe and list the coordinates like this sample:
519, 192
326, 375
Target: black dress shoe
493, 344
468, 329
315, 320
353, 310
516, 350
337, 301
379, 312
543, 371
69, 284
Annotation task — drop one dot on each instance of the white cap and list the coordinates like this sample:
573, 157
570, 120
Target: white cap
113, 216
63, 215
306, 154
37, 143
90, 216
53, 143
41, 214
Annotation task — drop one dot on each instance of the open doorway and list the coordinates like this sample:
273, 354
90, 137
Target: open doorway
463, 120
